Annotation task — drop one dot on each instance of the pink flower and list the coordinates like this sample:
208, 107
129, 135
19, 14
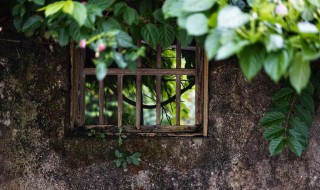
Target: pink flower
82, 43
281, 10
84, 2
102, 47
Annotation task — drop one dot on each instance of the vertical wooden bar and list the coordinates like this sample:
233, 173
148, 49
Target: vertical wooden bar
120, 99
81, 57
158, 88
74, 89
178, 83
139, 110
205, 95
101, 103
199, 85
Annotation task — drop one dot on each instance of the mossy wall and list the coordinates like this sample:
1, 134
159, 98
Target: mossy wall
35, 154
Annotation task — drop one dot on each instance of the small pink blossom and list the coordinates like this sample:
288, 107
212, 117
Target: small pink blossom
102, 47
281, 10
84, 2
82, 43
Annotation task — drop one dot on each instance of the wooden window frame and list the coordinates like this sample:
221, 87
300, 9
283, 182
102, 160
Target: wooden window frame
77, 106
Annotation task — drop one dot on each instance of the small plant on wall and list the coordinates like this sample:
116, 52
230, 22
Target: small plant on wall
279, 37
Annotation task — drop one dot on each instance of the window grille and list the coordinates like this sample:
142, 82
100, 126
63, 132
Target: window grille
80, 73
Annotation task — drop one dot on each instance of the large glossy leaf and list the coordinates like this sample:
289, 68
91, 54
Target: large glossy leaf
102, 4
68, 7
283, 94
172, 8
300, 127
184, 38
295, 146
130, 15
273, 132
53, 8
304, 114
231, 17
32, 23
306, 100
197, 24
197, 5
63, 36
230, 48
276, 64
251, 60
39, 2
124, 40
79, 13
212, 43
272, 118
299, 73
277, 145
166, 35
101, 71
150, 34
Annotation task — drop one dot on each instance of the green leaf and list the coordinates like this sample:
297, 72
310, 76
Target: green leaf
172, 8
130, 15
276, 64
119, 60
119, 8
158, 15
110, 24
197, 24
79, 13
184, 38
124, 40
102, 4
273, 132
39, 2
304, 115
251, 60
307, 102
230, 48
231, 17
63, 36
282, 94
118, 153
136, 154
277, 145
295, 146
146, 7
315, 2
300, 127
299, 73
212, 43
150, 34
166, 35
309, 52
53, 8
135, 161
272, 118
118, 163
32, 23
101, 71
68, 7
197, 5
124, 165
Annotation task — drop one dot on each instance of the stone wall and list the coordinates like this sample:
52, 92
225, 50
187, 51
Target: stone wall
35, 153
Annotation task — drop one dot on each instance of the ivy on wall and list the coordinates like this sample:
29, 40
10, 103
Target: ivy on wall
279, 37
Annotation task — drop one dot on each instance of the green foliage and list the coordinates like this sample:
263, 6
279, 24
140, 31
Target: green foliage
280, 35
289, 125
126, 158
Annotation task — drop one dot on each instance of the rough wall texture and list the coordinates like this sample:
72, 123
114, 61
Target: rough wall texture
34, 154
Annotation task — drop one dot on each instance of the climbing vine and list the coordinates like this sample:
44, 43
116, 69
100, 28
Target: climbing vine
279, 37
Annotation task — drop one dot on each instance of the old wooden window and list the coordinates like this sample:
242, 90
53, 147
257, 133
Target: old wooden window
156, 99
